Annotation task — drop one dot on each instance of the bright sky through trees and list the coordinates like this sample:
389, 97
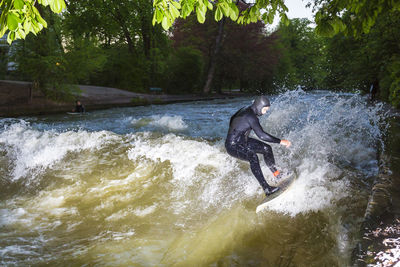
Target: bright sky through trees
297, 9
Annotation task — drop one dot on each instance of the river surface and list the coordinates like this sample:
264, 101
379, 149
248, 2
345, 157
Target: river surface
154, 186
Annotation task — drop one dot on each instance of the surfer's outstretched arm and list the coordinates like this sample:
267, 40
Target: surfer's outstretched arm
255, 125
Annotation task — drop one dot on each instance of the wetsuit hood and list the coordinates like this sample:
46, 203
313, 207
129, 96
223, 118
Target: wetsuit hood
259, 103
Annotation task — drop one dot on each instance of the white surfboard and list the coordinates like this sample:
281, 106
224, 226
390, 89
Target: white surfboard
284, 186
76, 113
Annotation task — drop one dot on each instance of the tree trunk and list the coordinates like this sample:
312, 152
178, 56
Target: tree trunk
213, 59
146, 30
120, 20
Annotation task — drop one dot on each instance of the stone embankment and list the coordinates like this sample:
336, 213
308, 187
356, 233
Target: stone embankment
380, 231
15, 99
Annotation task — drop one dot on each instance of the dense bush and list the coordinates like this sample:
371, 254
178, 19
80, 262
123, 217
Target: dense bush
122, 70
184, 71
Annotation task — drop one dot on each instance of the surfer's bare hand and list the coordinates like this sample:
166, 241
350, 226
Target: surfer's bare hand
286, 143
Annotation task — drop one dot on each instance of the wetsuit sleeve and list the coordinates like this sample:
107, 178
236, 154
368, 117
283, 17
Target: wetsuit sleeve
255, 125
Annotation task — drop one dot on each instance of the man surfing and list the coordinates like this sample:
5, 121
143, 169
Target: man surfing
239, 145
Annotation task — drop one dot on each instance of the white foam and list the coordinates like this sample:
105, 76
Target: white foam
111, 235
141, 212
311, 191
25, 250
185, 155
174, 123
197, 168
333, 129
34, 151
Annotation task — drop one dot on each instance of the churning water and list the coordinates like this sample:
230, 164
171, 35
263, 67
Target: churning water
153, 186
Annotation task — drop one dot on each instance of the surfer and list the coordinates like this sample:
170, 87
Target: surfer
79, 108
239, 145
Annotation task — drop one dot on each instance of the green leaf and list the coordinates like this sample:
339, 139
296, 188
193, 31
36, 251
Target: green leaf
284, 19
253, 15
36, 26
338, 25
176, 4
225, 9
44, 2
271, 17
218, 13
260, 3
318, 16
165, 23
3, 30
174, 11
21, 33
184, 11
324, 28
27, 26
12, 21
10, 37
41, 20
284, 7
63, 5
159, 15
264, 17
35, 11
234, 12
200, 15
56, 5
202, 6
209, 5
19, 4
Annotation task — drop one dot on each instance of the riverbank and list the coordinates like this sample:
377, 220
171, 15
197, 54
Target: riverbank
380, 230
15, 99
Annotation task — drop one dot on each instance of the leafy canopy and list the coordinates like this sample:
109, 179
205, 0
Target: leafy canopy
167, 11
349, 16
20, 17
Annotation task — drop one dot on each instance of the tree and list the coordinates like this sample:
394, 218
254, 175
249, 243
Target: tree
368, 59
350, 17
303, 61
359, 17
50, 66
167, 11
185, 68
247, 56
207, 37
118, 26
20, 17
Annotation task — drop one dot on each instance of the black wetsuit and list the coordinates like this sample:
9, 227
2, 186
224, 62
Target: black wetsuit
239, 145
79, 108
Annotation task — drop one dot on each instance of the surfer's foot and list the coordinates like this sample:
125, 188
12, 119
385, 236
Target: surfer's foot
282, 175
270, 190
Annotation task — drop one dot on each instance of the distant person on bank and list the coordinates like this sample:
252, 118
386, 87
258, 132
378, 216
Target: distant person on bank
79, 108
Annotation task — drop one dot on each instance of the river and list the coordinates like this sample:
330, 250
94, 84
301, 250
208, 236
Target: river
154, 186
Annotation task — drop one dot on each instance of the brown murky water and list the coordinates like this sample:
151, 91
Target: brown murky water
153, 186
